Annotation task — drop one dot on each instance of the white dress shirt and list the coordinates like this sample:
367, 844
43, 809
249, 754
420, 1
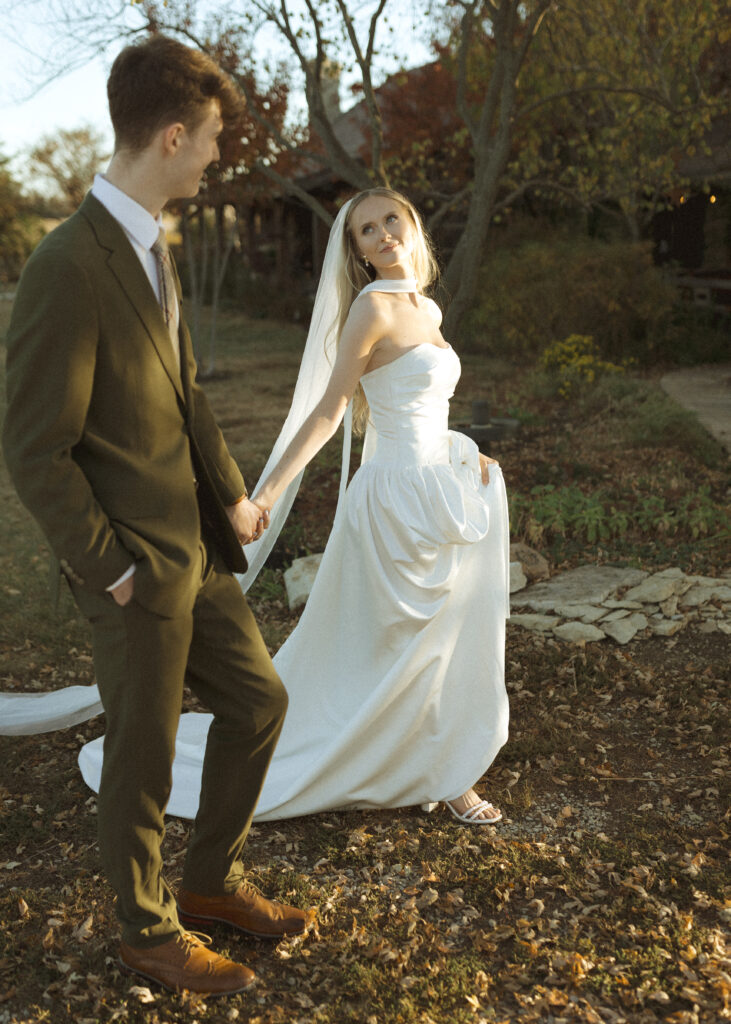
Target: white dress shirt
142, 230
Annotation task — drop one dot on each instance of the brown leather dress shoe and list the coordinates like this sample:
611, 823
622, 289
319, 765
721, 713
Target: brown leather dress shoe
186, 962
245, 909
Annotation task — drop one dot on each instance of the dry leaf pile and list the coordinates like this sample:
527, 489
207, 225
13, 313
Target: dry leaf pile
601, 898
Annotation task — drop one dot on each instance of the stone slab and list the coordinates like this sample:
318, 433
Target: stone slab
638, 619
655, 591
518, 579
538, 623
299, 578
624, 630
710, 581
670, 606
585, 612
619, 613
578, 632
666, 627
697, 595
658, 588
589, 584
535, 566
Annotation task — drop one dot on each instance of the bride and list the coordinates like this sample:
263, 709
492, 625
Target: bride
395, 671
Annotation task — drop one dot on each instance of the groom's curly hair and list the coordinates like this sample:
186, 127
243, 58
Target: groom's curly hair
160, 81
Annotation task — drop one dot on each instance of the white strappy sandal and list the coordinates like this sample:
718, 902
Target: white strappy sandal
472, 815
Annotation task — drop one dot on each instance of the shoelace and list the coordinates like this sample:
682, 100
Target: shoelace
190, 940
251, 888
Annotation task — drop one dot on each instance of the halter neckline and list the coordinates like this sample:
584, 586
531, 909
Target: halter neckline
405, 284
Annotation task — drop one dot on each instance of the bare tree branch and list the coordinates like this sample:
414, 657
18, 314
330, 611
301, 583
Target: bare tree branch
438, 216
465, 39
531, 28
365, 64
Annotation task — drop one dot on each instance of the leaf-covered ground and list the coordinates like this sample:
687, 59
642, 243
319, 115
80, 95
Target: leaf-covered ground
602, 897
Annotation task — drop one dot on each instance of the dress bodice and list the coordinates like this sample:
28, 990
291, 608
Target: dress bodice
409, 405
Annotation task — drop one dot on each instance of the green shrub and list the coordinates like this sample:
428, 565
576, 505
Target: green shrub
539, 291
550, 512
574, 363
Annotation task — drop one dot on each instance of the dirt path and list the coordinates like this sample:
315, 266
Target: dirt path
706, 391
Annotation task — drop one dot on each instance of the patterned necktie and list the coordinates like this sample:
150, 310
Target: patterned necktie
168, 300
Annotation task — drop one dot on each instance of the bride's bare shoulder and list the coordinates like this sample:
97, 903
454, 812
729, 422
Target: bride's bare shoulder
371, 304
369, 319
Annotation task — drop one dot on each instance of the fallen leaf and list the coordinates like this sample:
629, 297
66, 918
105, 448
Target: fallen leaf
142, 993
83, 932
426, 899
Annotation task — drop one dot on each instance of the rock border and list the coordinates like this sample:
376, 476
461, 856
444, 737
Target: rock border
592, 603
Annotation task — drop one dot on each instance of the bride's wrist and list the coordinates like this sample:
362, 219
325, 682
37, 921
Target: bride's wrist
261, 502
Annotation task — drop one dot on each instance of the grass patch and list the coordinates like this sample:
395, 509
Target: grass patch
646, 416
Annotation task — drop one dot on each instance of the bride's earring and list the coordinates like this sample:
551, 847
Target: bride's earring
365, 261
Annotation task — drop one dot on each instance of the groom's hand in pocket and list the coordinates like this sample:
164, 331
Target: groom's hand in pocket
123, 593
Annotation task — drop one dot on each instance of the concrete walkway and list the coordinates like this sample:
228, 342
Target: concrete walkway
706, 391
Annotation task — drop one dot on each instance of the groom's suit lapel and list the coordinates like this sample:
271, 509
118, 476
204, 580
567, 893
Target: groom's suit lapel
129, 272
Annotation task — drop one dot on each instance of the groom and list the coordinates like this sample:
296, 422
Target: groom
114, 450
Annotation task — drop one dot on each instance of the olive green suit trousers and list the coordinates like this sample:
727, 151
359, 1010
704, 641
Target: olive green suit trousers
142, 661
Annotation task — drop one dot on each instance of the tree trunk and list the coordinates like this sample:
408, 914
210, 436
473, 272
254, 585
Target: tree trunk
631, 219
512, 37
462, 274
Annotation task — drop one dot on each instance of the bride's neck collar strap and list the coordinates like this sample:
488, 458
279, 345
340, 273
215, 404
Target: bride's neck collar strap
401, 284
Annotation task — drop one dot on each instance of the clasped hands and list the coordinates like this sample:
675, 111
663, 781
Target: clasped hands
248, 519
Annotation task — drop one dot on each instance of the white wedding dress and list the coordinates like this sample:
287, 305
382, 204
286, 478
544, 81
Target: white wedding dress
395, 671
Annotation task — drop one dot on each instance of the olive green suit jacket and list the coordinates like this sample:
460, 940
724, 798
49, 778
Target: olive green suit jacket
115, 453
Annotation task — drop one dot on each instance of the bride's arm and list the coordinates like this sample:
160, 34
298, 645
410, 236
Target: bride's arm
363, 329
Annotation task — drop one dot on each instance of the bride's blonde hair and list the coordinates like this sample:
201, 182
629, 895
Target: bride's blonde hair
355, 274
